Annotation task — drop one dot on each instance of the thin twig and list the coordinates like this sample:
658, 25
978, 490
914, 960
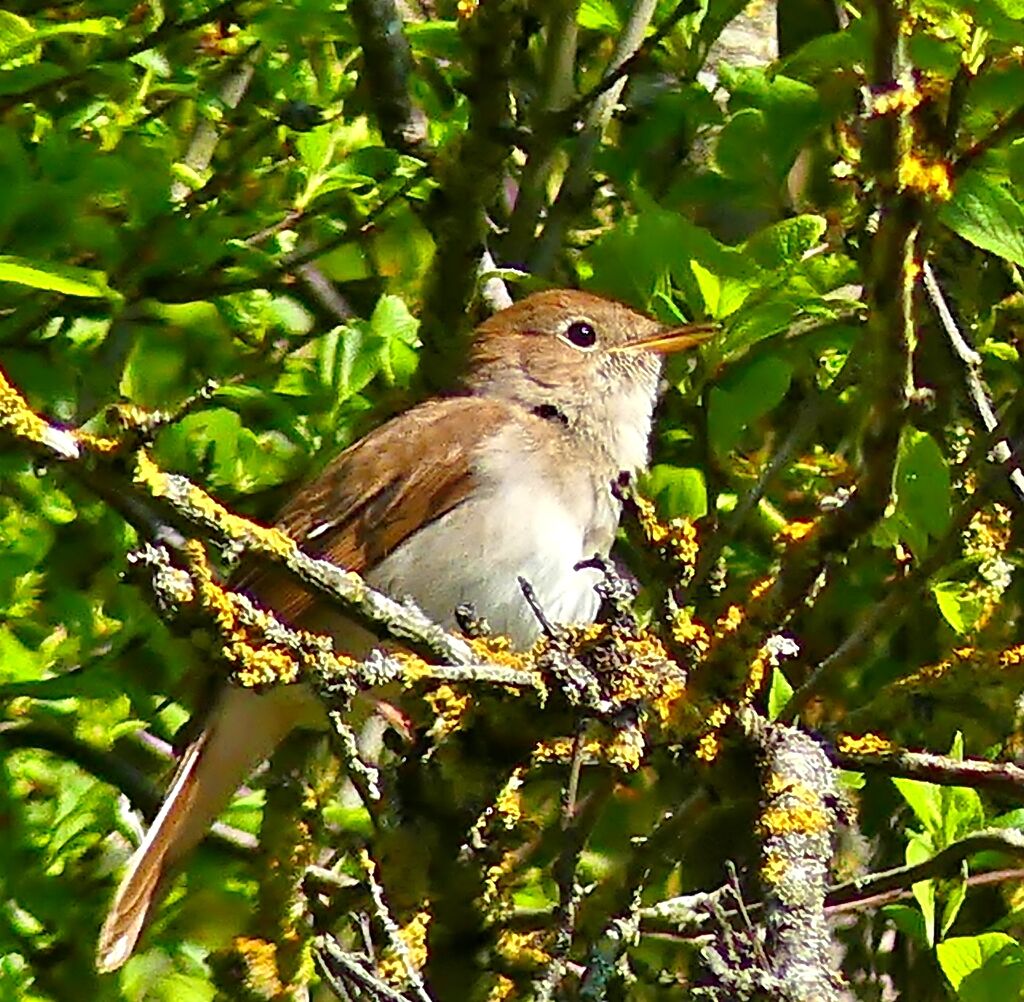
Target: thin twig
391, 929
947, 860
976, 388
1006, 129
331, 959
999, 777
577, 180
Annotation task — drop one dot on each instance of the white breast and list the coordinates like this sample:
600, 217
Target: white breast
522, 520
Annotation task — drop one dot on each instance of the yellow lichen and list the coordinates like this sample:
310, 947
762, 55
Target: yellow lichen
508, 805
259, 959
553, 750
497, 651
690, 634
728, 622
466, 8
1012, 656
797, 819
626, 749
756, 674
523, 947
676, 538
260, 665
773, 868
159, 484
932, 178
492, 892
903, 98
864, 744
708, 747
449, 707
21, 421
502, 989
414, 668
393, 967
796, 530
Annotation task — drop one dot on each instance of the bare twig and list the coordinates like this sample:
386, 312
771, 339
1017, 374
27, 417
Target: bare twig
976, 388
577, 179
569, 891
896, 603
206, 136
1008, 128
804, 425
559, 61
110, 769
391, 929
999, 777
335, 963
947, 860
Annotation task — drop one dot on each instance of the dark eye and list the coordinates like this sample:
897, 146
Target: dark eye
581, 334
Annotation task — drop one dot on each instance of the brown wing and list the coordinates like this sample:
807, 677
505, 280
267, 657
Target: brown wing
377, 493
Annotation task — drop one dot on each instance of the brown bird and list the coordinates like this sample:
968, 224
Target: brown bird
449, 503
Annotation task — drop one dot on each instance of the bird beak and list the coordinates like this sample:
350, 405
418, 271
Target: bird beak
670, 341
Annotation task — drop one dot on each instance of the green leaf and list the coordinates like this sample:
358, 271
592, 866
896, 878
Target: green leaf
15, 31
984, 968
17, 662
15, 41
599, 15
680, 491
779, 694
954, 894
921, 486
908, 921
785, 243
985, 213
920, 848
392, 319
742, 397
960, 604
51, 277
1011, 8
23, 78
206, 442
924, 800
722, 295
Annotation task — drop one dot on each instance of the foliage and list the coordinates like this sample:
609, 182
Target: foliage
231, 214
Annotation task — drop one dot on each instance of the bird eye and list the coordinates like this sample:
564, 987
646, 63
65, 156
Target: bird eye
581, 334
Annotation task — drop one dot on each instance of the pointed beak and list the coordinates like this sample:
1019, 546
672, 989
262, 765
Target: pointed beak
670, 341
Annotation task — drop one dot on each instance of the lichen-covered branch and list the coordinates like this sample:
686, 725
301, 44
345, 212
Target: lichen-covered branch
797, 826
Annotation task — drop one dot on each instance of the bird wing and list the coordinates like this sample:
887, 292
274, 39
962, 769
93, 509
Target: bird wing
376, 494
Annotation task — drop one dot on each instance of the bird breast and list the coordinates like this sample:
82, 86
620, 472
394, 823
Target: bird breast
535, 512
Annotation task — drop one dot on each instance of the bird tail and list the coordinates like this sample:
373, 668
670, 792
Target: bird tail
244, 729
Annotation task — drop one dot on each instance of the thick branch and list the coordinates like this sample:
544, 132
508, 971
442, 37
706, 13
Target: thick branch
797, 825
387, 66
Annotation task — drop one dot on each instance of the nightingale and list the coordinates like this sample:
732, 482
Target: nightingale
449, 503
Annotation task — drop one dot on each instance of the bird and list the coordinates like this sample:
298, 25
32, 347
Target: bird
450, 503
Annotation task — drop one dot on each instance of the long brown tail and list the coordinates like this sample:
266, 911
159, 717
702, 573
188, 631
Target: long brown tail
244, 729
